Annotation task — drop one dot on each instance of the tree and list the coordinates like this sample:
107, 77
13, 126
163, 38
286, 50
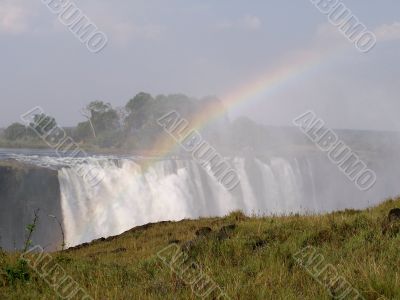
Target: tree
138, 111
82, 126
43, 124
83, 131
138, 102
15, 131
101, 117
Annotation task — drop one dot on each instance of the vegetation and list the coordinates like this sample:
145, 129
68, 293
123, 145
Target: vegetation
252, 260
19, 270
133, 127
15, 131
30, 228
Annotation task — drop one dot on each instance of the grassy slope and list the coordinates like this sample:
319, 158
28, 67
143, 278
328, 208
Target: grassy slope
256, 262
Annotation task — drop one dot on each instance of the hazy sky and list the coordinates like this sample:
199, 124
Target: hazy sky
200, 48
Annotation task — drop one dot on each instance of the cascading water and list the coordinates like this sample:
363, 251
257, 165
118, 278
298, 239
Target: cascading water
177, 189
127, 197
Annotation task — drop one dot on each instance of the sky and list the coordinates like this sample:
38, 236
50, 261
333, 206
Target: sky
202, 48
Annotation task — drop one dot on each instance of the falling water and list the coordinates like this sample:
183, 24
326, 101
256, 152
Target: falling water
179, 189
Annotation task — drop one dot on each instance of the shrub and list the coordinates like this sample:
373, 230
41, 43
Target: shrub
19, 271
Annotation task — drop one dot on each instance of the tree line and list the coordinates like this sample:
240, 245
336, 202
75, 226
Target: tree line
133, 126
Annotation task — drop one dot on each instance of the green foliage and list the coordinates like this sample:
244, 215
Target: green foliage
30, 228
20, 136
103, 116
19, 271
133, 127
43, 124
83, 131
139, 111
15, 131
237, 216
137, 103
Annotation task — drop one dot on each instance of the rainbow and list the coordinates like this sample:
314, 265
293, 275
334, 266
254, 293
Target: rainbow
267, 84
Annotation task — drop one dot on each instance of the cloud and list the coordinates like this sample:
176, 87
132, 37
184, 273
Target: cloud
13, 17
387, 32
248, 22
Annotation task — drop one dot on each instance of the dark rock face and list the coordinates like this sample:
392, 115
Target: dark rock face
24, 189
394, 214
203, 231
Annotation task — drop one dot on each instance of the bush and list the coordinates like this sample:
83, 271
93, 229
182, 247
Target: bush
15, 132
19, 271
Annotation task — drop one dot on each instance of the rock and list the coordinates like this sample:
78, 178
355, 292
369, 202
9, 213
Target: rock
222, 235
203, 231
394, 214
225, 232
392, 229
24, 188
259, 244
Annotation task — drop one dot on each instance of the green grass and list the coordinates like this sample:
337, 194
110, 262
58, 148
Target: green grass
253, 261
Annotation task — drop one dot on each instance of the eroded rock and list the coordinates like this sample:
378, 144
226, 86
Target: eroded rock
394, 214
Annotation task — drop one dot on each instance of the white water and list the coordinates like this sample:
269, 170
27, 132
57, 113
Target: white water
179, 189
172, 189
127, 197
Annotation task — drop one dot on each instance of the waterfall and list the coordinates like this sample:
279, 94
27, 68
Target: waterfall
168, 190
129, 196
